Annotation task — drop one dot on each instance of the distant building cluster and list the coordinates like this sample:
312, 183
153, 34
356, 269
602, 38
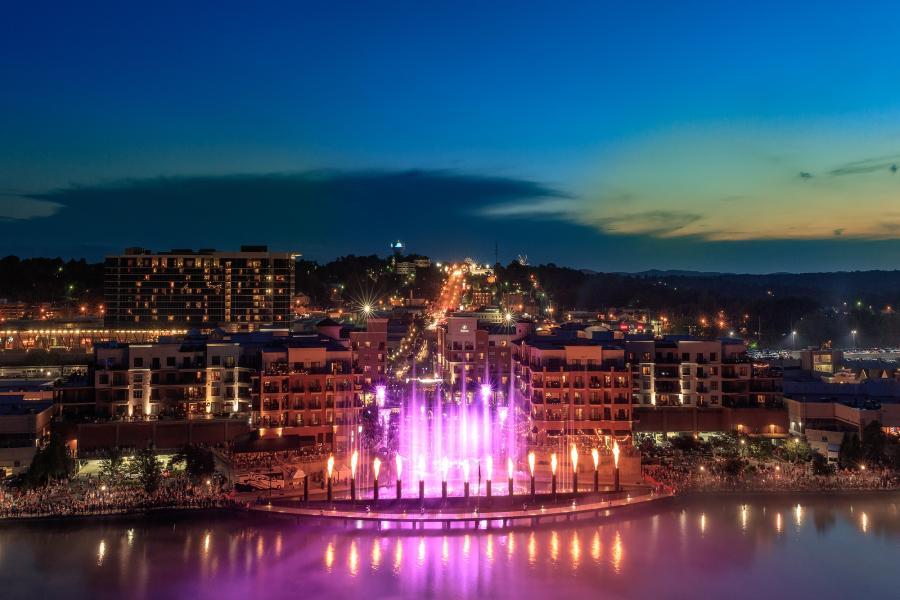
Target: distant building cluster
183, 288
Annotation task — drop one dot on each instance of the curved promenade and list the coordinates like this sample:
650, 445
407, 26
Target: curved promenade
563, 508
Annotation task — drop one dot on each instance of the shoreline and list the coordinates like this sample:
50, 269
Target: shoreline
805, 492
254, 511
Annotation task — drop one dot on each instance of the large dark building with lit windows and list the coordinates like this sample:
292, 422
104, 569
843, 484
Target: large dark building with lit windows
235, 290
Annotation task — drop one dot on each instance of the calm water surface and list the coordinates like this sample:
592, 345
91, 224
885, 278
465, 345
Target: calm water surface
735, 547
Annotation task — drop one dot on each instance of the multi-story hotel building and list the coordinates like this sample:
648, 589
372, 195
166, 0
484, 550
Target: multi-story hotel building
692, 372
309, 389
477, 351
573, 387
181, 288
188, 377
370, 350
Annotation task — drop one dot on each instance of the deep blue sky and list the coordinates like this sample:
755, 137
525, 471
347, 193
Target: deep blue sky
614, 136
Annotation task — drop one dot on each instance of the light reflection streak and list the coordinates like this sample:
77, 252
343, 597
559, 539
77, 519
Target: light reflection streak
101, 552
532, 549
778, 524
398, 556
353, 562
864, 522
575, 551
376, 554
554, 546
329, 556
617, 553
596, 547
798, 515
445, 550
744, 517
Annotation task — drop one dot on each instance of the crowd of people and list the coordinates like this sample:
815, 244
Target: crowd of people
249, 461
88, 496
693, 473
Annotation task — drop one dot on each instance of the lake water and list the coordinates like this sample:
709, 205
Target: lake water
801, 546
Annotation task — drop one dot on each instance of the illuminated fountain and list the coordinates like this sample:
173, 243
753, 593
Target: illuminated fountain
454, 437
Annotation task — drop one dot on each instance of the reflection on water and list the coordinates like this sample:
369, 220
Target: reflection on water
716, 540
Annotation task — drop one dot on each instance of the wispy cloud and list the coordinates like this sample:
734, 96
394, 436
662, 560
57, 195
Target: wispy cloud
738, 183
886, 164
14, 207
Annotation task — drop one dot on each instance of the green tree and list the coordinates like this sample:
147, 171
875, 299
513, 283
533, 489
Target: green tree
372, 428
112, 465
198, 461
51, 461
148, 469
820, 465
874, 444
851, 452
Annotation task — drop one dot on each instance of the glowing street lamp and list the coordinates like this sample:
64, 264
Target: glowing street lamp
573, 455
595, 454
445, 469
466, 478
616, 461
509, 474
421, 478
489, 469
376, 468
398, 461
553, 465
354, 460
531, 468
330, 468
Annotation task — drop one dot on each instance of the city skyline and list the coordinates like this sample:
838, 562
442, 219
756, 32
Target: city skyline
705, 138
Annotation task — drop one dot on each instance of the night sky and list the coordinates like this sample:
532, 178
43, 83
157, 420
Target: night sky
616, 136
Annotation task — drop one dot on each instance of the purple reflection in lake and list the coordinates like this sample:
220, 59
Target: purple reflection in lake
785, 546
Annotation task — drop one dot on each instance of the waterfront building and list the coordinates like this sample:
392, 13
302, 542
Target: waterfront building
310, 390
370, 350
573, 387
23, 423
845, 407
693, 372
477, 351
182, 288
186, 376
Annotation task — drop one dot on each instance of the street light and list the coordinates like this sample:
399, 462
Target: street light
553, 464
573, 455
853, 333
616, 461
354, 460
445, 469
398, 460
376, 468
509, 474
489, 468
531, 468
330, 468
595, 454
